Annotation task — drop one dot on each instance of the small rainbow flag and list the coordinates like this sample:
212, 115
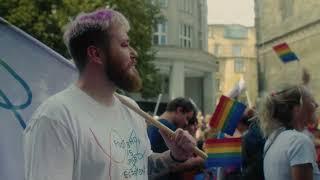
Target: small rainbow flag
227, 115
284, 52
223, 152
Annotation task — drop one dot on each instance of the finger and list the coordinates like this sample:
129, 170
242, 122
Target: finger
186, 138
183, 141
178, 135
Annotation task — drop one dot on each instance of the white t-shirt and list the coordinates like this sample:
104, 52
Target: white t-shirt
288, 149
73, 137
308, 134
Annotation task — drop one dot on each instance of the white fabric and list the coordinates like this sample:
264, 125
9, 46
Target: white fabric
30, 72
288, 149
73, 137
308, 134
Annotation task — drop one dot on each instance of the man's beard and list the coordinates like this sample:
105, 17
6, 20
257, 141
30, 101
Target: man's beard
122, 78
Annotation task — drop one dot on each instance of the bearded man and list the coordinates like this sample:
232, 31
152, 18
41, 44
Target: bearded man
85, 132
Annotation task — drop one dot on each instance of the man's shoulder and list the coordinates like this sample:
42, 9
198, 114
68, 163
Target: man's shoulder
130, 100
168, 124
54, 105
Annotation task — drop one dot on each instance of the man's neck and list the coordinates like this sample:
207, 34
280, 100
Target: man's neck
97, 87
298, 124
167, 116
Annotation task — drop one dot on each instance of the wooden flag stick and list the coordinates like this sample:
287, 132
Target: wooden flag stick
157, 124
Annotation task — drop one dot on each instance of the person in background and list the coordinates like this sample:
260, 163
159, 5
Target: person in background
177, 115
252, 149
288, 153
188, 170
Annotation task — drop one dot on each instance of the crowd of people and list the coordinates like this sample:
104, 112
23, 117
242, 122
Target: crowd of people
85, 132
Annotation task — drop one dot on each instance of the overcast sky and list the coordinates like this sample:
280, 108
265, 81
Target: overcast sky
231, 12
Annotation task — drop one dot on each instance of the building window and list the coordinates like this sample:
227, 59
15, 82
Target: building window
186, 6
216, 49
161, 3
238, 65
185, 36
286, 8
165, 84
217, 66
160, 33
218, 88
210, 33
236, 50
235, 32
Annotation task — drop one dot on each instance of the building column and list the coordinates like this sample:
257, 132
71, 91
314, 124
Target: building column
209, 91
176, 87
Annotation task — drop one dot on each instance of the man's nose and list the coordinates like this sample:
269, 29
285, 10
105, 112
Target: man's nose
186, 122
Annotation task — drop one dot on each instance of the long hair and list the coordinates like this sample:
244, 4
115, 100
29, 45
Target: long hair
276, 110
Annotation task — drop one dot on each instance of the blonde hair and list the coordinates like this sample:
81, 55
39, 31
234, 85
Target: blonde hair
276, 109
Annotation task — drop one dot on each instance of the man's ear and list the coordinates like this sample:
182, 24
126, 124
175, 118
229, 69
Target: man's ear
179, 110
94, 54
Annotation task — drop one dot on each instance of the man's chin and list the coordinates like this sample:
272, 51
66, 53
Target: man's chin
132, 83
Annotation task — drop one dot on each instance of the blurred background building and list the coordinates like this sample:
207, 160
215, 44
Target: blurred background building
298, 24
187, 69
234, 47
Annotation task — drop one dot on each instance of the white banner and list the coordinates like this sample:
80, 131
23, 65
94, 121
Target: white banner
30, 72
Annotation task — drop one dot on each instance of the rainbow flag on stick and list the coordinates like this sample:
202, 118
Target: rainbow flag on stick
284, 52
223, 152
227, 115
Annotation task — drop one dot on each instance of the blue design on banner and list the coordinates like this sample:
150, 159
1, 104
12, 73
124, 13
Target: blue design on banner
7, 103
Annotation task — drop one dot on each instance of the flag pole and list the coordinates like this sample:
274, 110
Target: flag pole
157, 105
248, 99
156, 123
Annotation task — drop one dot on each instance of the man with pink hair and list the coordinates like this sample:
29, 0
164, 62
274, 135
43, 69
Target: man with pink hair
85, 132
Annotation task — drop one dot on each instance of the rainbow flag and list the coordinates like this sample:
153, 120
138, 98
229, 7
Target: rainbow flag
223, 152
227, 115
284, 52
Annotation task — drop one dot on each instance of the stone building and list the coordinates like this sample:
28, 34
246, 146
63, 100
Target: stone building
298, 24
234, 47
182, 58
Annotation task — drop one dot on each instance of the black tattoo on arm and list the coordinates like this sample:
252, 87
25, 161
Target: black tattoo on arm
160, 164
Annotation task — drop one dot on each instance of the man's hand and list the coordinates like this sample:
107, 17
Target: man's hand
180, 145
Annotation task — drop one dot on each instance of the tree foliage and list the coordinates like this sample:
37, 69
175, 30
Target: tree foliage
45, 20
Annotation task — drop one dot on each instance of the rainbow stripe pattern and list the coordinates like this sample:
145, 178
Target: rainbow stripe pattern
284, 52
227, 115
223, 152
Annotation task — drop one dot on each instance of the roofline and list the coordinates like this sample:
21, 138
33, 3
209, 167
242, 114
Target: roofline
233, 24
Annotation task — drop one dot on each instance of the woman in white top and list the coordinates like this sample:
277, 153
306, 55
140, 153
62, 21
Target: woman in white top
288, 153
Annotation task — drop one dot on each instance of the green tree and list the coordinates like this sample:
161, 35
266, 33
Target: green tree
45, 19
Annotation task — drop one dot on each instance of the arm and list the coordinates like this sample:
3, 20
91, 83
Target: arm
160, 164
301, 155
302, 172
316, 142
48, 151
190, 164
180, 146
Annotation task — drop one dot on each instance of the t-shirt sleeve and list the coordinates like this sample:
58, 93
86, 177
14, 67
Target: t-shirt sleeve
301, 151
48, 149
